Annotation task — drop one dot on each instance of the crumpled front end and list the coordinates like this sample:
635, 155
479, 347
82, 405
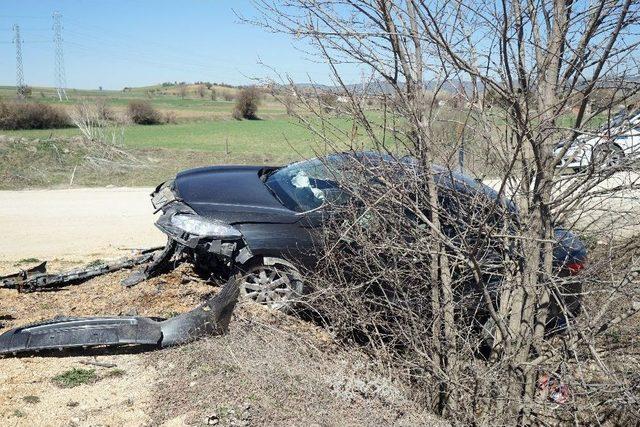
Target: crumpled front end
210, 244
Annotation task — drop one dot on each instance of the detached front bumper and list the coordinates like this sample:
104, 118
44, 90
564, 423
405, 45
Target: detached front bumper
210, 318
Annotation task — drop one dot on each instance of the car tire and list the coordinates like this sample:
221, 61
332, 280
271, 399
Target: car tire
272, 282
608, 155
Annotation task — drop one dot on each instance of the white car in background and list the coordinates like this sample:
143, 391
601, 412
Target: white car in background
612, 144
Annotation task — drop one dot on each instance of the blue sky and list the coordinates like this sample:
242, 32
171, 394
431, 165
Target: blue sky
117, 43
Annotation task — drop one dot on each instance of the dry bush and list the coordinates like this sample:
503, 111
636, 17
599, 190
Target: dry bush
170, 117
374, 287
182, 90
328, 101
247, 104
228, 96
95, 120
19, 115
143, 113
457, 297
105, 136
104, 111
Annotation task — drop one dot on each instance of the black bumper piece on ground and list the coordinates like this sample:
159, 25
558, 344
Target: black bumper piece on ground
210, 318
37, 278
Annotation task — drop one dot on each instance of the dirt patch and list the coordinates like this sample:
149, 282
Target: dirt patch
29, 397
118, 395
162, 296
273, 369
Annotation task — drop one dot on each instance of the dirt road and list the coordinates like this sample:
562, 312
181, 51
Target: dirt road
76, 224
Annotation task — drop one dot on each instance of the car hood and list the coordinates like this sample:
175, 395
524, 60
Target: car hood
235, 194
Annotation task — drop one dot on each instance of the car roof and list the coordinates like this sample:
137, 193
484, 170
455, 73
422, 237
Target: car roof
444, 177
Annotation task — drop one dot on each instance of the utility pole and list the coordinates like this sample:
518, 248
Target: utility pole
20, 87
61, 79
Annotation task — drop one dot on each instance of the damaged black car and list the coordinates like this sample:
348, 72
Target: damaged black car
261, 223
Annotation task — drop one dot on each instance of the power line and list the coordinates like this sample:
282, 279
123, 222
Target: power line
20, 87
61, 79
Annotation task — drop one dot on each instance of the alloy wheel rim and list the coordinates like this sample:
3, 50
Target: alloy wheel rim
268, 286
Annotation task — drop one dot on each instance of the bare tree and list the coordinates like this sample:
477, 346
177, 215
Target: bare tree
247, 104
182, 90
541, 64
201, 91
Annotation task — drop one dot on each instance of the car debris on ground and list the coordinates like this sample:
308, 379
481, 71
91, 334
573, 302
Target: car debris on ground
37, 279
209, 318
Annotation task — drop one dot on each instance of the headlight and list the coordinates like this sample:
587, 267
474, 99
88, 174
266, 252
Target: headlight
203, 227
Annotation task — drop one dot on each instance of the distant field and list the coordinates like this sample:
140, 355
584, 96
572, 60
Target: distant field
280, 138
203, 124
204, 134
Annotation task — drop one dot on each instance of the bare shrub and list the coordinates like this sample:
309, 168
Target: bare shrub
213, 94
289, 102
143, 113
170, 117
465, 300
106, 137
104, 111
96, 123
228, 96
22, 115
328, 101
247, 104
182, 90
201, 91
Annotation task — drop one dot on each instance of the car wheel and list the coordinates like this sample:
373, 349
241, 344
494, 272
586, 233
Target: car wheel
608, 155
277, 285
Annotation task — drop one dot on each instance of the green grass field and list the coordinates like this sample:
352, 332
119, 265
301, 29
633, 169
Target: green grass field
203, 124
273, 136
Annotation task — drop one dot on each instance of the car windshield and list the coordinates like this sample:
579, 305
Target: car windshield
304, 185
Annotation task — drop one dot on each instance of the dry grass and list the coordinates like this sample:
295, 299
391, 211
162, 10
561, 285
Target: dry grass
272, 369
57, 162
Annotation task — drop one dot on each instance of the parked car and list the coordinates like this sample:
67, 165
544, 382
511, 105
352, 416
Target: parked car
610, 145
263, 219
